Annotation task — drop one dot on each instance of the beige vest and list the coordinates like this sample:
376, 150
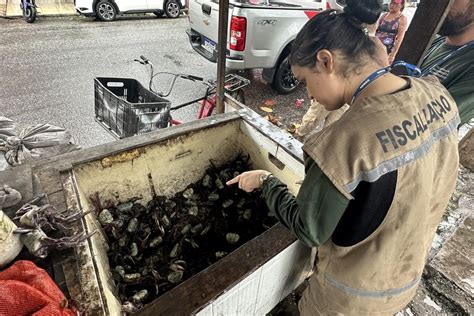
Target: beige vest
415, 132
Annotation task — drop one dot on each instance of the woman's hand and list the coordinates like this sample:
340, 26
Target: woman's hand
249, 180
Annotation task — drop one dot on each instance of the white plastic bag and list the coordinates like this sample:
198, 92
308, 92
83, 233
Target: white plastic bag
10, 243
33, 142
7, 127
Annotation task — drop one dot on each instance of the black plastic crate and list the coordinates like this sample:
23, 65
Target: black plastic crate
125, 108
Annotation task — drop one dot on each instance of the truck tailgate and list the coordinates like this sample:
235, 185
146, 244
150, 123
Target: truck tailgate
261, 29
204, 18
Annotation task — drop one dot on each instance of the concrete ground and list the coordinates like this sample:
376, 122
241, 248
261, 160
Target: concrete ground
48, 69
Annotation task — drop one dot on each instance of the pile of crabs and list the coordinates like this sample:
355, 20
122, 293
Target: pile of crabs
154, 247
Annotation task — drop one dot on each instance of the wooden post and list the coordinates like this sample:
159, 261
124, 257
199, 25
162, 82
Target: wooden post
425, 25
221, 53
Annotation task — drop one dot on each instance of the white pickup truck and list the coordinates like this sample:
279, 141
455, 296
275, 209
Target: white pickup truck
260, 34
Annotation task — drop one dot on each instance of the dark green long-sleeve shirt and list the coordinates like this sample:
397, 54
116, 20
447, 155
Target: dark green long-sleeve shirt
321, 212
314, 214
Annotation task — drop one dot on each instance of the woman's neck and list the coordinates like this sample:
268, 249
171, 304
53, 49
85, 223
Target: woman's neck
384, 85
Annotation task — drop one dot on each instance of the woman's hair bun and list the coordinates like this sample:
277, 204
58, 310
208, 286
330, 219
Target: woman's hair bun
365, 11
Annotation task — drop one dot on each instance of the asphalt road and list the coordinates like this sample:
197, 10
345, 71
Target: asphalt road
47, 69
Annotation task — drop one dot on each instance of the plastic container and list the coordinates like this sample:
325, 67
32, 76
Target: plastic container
125, 108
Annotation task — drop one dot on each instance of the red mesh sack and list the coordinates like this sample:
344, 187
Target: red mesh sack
26, 289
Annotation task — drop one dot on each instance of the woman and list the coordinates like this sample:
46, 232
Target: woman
392, 27
377, 180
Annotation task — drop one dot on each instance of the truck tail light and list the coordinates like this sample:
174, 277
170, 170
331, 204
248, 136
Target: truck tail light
238, 32
328, 6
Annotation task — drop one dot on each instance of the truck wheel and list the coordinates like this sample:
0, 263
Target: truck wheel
172, 9
159, 13
284, 82
106, 11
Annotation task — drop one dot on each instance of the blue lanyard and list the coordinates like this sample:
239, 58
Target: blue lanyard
448, 56
411, 70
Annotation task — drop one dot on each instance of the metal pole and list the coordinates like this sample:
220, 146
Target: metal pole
221, 53
428, 19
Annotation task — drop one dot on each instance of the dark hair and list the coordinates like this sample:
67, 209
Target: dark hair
403, 5
337, 31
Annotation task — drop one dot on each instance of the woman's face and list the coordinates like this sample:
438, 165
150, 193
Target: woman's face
323, 83
327, 83
395, 8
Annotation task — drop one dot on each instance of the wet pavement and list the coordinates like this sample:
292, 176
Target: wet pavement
47, 70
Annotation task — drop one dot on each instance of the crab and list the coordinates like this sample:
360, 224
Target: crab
46, 216
35, 219
41, 245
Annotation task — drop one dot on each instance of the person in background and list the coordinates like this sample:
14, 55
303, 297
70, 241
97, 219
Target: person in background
377, 180
392, 27
451, 57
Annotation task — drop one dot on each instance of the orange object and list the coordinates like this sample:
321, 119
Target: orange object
270, 103
26, 289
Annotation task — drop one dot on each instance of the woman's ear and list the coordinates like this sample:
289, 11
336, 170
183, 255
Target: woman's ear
325, 60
